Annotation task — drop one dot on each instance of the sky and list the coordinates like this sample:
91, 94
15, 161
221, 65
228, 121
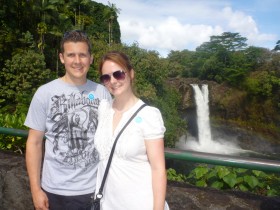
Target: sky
165, 25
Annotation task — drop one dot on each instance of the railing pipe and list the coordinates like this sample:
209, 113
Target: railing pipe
194, 156
13, 132
225, 160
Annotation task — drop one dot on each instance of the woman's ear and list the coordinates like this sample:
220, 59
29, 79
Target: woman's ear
131, 74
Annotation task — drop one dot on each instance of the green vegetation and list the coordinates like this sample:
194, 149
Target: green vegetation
249, 78
224, 178
30, 32
29, 45
13, 143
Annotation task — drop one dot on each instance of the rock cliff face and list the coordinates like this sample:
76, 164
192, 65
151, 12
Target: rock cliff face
187, 197
232, 105
223, 101
14, 185
15, 192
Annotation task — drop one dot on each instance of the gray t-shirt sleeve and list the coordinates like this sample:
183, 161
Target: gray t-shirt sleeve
36, 116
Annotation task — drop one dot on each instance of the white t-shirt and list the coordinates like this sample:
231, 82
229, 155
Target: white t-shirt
129, 181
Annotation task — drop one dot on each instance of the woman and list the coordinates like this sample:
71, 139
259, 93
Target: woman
137, 176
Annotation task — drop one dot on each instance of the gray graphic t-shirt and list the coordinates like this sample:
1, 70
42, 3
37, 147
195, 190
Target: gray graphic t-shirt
68, 116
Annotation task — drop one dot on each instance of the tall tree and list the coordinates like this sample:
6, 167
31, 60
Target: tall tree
110, 14
277, 47
223, 58
231, 41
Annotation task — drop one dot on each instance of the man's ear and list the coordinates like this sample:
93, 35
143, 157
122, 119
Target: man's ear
61, 58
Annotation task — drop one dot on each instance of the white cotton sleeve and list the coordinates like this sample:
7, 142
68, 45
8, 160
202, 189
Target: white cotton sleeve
153, 126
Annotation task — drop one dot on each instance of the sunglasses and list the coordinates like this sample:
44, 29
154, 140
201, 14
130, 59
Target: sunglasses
118, 75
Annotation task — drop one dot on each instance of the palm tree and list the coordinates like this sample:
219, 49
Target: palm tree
110, 13
47, 10
277, 47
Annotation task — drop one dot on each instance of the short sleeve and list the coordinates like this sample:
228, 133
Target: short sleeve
37, 116
153, 126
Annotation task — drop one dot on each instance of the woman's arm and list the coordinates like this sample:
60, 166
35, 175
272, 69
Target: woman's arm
155, 152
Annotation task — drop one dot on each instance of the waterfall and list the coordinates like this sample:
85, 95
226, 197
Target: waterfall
204, 141
202, 111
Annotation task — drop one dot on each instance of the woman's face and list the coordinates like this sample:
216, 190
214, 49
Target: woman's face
117, 79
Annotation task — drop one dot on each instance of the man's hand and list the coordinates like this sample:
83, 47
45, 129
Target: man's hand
40, 200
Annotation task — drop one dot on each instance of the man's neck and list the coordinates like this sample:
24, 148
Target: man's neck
74, 81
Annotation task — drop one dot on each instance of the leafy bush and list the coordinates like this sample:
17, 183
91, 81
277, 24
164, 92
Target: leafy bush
223, 178
20, 77
173, 176
13, 143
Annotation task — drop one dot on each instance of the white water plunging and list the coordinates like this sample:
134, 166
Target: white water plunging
204, 143
203, 122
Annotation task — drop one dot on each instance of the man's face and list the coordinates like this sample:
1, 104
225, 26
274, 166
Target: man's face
76, 59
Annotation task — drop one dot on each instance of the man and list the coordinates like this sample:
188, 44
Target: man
64, 111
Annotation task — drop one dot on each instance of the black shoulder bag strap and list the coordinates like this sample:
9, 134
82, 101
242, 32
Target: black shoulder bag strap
99, 194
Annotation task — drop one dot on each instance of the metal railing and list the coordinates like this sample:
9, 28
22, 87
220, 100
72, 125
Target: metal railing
13, 132
198, 157
224, 160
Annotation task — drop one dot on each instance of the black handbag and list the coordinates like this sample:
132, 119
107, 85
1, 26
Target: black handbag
95, 203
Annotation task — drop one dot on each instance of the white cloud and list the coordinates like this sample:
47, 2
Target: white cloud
183, 24
238, 21
167, 35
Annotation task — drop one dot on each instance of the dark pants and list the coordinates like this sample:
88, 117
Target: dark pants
61, 202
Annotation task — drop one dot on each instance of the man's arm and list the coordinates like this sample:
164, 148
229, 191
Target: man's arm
34, 147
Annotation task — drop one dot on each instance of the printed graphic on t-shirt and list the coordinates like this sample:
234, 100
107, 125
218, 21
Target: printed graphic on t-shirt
74, 121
